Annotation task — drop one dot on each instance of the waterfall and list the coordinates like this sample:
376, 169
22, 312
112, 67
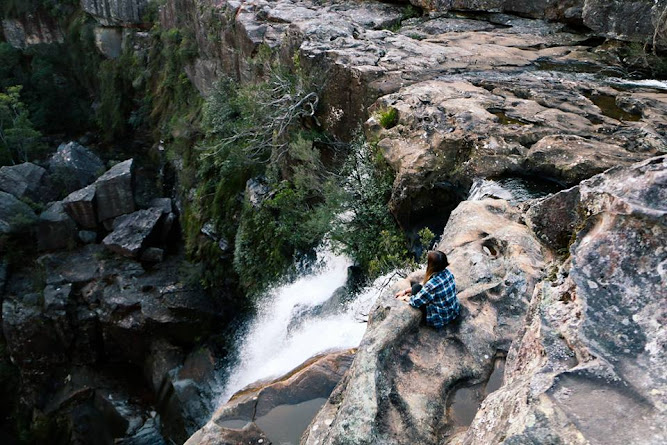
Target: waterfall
299, 320
511, 189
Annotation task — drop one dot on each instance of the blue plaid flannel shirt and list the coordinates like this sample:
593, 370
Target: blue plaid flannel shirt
439, 296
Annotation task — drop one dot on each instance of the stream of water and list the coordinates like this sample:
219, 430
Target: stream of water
299, 320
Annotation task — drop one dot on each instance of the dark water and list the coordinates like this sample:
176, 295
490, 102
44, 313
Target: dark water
466, 401
607, 104
285, 424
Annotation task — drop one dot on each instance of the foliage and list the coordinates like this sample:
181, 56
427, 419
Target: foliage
55, 8
641, 61
366, 230
19, 141
388, 117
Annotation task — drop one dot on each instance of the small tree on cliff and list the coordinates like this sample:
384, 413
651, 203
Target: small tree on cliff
19, 141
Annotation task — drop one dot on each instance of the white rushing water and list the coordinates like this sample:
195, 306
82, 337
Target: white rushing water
297, 321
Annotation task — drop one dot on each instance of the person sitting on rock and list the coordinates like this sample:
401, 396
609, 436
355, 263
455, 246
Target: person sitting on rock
437, 297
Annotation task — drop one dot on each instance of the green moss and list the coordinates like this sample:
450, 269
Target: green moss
388, 117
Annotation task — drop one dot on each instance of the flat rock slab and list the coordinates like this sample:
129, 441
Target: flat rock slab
114, 191
132, 232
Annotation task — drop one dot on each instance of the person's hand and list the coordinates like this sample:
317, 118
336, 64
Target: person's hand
403, 293
404, 298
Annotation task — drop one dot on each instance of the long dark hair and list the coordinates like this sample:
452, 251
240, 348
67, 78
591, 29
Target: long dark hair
437, 262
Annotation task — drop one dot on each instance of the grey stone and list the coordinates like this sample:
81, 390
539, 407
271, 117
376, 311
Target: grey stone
15, 216
162, 203
152, 255
74, 166
56, 229
256, 191
627, 20
87, 236
81, 206
132, 232
22, 180
115, 12
114, 191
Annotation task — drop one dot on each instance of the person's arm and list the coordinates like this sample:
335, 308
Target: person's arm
424, 296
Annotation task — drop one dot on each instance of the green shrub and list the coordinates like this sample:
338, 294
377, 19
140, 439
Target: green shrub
388, 118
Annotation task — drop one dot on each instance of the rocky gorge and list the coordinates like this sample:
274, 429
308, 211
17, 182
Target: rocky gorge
565, 293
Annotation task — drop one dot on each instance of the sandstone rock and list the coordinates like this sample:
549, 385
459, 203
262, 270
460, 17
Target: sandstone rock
314, 379
115, 12
212, 434
55, 229
15, 216
31, 29
590, 358
22, 180
109, 41
452, 130
572, 159
397, 389
114, 191
81, 206
75, 166
133, 232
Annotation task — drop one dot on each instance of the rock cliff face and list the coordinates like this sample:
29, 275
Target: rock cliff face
586, 361
588, 367
115, 12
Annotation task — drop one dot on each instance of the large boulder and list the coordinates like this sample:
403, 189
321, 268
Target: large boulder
22, 180
81, 206
133, 232
588, 366
56, 229
632, 20
15, 216
405, 374
74, 166
114, 191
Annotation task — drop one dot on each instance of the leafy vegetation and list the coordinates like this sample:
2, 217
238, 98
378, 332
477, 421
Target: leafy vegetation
388, 117
19, 141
